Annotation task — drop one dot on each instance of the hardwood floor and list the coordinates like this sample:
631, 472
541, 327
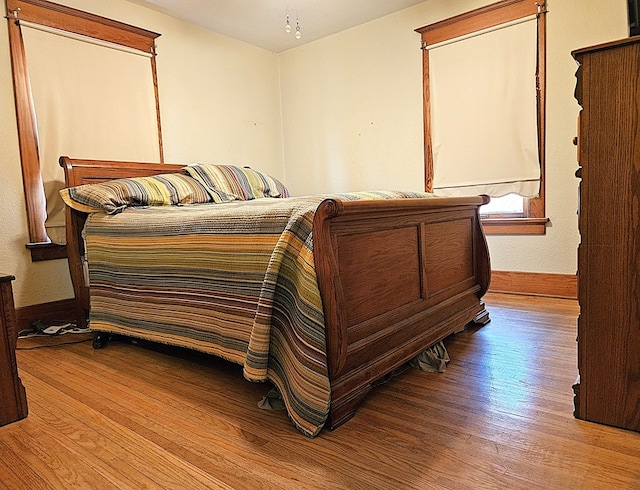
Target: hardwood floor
129, 416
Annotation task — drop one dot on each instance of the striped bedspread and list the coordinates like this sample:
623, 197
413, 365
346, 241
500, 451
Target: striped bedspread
236, 280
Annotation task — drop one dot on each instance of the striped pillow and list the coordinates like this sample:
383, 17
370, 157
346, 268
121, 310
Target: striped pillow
114, 195
229, 183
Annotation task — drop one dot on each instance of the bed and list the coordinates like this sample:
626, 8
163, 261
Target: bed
359, 286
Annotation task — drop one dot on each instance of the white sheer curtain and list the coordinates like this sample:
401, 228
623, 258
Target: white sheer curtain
92, 101
484, 113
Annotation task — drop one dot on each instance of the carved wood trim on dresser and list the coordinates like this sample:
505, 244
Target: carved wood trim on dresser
13, 397
608, 90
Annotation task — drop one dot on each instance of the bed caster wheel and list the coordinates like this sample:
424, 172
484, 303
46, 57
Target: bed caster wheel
100, 339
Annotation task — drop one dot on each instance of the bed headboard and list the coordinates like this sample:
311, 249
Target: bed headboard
79, 172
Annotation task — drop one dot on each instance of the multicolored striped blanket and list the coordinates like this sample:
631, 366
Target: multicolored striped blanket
236, 280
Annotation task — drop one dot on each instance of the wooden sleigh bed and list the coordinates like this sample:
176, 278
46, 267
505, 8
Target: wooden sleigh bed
395, 276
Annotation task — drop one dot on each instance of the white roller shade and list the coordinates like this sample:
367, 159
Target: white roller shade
91, 101
484, 113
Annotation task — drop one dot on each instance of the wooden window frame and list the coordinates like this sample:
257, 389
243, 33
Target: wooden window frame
534, 220
77, 22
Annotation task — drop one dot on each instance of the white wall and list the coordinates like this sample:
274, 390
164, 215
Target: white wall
219, 101
352, 109
352, 115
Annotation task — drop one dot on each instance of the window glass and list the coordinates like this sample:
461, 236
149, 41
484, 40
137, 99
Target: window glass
510, 204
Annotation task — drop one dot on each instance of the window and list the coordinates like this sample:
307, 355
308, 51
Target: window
487, 30
58, 54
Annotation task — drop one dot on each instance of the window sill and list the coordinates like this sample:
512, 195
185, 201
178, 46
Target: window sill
515, 226
46, 251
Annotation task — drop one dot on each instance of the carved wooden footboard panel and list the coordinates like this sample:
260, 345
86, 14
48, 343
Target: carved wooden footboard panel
396, 277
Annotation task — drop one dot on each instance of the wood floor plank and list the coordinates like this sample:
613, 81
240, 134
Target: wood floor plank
78, 427
180, 431
14, 472
500, 416
87, 438
170, 433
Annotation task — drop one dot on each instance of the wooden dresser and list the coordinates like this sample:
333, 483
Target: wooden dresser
13, 399
608, 90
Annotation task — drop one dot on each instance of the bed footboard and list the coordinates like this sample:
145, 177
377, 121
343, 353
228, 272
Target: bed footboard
395, 278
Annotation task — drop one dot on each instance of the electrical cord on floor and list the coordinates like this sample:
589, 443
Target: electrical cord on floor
54, 345
42, 329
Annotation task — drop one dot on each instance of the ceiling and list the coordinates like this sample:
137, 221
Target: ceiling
261, 22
